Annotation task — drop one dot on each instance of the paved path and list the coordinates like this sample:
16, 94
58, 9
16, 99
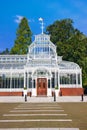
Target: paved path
27, 114
13, 99
19, 99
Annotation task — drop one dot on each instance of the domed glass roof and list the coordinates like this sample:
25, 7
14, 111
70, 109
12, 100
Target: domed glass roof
42, 47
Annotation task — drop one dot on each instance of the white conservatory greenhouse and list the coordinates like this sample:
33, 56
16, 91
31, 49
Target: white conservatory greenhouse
41, 71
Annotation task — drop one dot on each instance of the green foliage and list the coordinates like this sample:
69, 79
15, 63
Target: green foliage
5, 52
70, 42
23, 38
56, 87
25, 88
61, 30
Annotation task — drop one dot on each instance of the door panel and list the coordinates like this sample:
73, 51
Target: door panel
41, 87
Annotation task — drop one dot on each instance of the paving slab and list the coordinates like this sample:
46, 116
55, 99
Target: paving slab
40, 129
37, 120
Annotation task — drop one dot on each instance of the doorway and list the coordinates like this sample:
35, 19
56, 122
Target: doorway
41, 87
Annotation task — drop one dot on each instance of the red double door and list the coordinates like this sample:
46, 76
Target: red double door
41, 87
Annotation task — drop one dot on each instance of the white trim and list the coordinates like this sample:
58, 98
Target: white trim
35, 115
41, 120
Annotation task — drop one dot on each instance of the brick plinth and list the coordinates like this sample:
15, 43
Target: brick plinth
11, 93
63, 92
71, 91
14, 94
29, 94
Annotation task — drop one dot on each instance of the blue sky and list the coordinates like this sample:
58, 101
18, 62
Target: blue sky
11, 11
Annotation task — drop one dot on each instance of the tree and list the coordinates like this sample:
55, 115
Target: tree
23, 38
5, 52
70, 42
61, 30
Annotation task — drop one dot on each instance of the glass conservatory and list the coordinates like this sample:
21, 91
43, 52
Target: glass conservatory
41, 71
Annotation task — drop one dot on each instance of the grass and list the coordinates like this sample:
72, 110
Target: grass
76, 111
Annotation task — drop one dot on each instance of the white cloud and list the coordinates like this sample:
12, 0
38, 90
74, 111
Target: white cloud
18, 18
31, 20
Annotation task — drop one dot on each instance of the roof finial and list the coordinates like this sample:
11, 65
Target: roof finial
42, 24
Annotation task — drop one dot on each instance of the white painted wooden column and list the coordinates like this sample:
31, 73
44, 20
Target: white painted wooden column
24, 80
36, 85
10, 80
50, 83
50, 80
81, 78
76, 79
32, 82
55, 79
58, 79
